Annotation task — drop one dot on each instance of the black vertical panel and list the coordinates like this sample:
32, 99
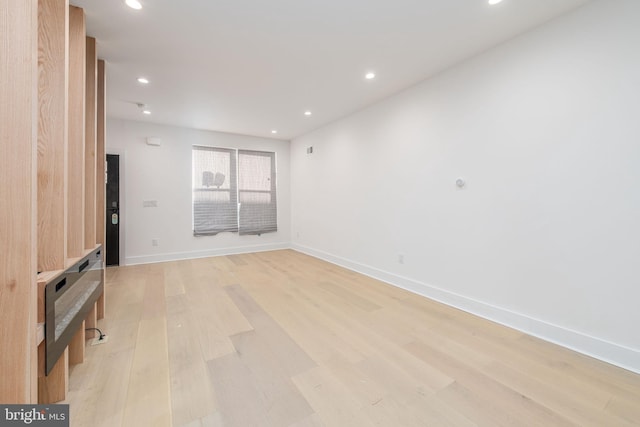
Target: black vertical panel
112, 246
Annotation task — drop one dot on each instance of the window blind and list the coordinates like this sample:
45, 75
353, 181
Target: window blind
257, 192
215, 195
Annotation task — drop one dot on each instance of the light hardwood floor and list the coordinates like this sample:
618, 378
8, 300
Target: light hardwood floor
284, 339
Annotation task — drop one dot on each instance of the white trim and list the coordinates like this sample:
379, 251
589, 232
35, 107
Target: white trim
615, 354
175, 256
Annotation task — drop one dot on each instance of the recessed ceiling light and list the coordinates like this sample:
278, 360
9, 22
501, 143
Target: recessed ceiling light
274, 131
143, 80
307, 113
147, 112
492, 2
133, 4
370, 76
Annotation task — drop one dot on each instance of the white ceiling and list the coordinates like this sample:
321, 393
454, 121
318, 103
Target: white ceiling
250, 66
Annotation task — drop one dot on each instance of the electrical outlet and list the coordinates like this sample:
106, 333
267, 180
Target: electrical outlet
155, 242
97, 340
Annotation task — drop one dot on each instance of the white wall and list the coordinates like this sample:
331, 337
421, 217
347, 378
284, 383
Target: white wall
164, 174
546, 236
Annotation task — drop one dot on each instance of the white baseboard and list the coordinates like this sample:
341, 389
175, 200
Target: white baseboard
176, 256
606, 351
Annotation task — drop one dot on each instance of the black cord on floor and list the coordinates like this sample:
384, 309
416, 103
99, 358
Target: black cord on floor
99, 331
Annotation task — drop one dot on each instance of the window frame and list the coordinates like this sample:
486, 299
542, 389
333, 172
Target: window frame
255, 218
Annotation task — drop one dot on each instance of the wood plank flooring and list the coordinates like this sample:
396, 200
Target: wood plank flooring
283, 339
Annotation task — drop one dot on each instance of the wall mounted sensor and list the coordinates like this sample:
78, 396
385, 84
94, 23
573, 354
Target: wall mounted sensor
460, 183
153, 140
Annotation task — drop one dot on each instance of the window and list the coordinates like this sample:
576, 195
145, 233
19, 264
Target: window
215, 195
233, 190
257, 192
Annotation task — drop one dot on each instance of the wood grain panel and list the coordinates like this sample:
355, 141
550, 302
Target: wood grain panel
90, 132
55, 386
111, 371
75, 161
18, 136
39, 333
481, 392
76, 346
234, 386
322, 389
40, 298
187, 366
102, 301
53, 43
91, 322
101, 141
268, 334
271, 375
148, 401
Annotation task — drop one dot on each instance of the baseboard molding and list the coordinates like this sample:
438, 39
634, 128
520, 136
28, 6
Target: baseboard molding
615, 354
176, 256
